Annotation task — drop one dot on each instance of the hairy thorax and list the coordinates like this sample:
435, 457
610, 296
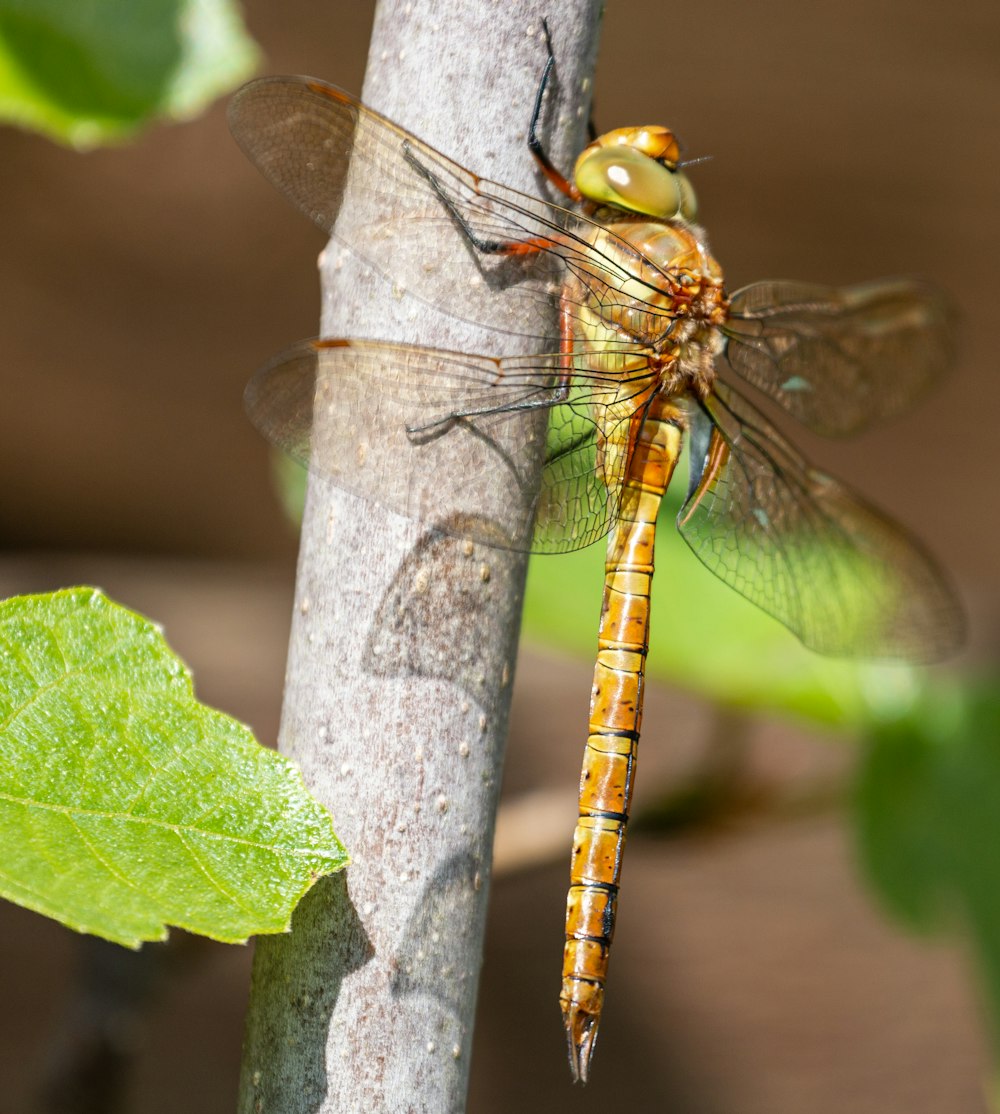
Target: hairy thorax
659, 290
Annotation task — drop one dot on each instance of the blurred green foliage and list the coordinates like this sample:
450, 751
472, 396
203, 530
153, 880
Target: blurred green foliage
927, 808
87, 72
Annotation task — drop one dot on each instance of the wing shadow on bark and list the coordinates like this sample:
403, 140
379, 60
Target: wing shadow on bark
423, 963
430, 626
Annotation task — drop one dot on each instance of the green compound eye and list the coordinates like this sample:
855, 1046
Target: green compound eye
628, 179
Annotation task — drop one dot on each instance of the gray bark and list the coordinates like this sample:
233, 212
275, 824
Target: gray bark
403, 644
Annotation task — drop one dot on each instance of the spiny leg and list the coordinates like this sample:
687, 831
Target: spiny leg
545, 164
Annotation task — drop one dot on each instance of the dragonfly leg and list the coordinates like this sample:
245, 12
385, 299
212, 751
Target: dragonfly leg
486, 247
551, 396
557, 394
545, 164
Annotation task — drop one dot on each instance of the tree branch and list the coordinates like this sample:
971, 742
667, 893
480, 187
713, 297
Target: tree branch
403, 645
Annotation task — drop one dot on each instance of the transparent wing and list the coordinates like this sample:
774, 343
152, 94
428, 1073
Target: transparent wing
839, 360
810, 552
305, 136
453, 439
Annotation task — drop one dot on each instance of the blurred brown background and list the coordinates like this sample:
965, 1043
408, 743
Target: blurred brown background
139, 287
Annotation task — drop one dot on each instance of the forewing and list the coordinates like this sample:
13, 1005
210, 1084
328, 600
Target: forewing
451, 439
839, 360
305, 136
811, 553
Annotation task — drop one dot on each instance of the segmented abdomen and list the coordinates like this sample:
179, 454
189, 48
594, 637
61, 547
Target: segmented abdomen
615, 718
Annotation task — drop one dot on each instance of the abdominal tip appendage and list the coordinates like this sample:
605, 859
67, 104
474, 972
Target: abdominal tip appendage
581, 1033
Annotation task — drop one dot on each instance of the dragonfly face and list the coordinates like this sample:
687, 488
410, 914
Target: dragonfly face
649, 348
635, 170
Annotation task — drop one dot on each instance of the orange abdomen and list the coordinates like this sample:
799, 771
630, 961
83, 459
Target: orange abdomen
615, 719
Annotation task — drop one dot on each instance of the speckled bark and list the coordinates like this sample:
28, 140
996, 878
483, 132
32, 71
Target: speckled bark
403, 645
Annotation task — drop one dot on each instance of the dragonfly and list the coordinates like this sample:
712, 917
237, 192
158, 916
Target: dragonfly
653, 352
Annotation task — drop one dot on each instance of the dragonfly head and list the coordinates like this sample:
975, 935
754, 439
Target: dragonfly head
635, 169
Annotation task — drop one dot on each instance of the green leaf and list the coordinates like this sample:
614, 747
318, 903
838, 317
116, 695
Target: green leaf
928, 819
94, 71
706, 638
125, 805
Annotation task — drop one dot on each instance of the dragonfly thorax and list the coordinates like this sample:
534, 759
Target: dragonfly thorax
663, 307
